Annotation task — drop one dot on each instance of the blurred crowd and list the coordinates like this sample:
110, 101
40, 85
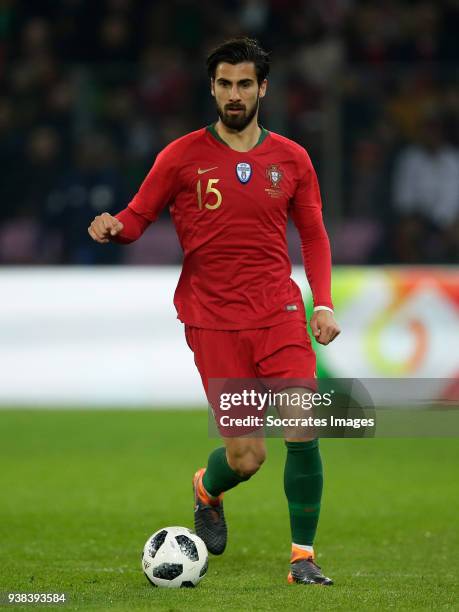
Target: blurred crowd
91, 91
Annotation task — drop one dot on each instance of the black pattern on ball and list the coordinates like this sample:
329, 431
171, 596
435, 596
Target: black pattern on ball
188, 547
187, 584
156, 543
168, 571
204, 568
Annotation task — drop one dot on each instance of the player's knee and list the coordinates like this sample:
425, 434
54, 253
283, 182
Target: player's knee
247, 463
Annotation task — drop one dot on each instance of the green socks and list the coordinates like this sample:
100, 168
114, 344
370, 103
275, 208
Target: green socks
219, 476
303, 480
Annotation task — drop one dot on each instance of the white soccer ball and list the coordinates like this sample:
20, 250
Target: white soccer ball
174, 557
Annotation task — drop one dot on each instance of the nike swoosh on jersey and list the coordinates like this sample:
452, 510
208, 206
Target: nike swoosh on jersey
206, 170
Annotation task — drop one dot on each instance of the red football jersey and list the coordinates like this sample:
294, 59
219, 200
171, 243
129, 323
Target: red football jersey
230, 210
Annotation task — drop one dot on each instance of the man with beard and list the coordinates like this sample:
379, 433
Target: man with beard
230, 188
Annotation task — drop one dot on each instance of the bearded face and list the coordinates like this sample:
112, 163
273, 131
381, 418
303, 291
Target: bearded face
237, 116
237, 94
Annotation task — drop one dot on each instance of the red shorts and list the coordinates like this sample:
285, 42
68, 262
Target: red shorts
283, 351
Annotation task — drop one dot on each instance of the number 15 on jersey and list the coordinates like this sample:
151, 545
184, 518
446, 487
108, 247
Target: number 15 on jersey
209, 189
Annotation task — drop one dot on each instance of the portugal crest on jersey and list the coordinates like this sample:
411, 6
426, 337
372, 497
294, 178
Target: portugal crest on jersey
244, 172
274, 174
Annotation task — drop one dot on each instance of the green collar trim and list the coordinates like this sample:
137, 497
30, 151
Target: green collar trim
211, 129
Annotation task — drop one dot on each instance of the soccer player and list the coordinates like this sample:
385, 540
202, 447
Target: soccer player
230, 188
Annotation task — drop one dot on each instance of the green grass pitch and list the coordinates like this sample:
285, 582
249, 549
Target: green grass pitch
81, 491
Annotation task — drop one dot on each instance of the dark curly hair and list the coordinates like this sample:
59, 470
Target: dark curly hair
239, 50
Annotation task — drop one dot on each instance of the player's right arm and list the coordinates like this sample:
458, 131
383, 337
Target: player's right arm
125, 227
105, 227
157, 191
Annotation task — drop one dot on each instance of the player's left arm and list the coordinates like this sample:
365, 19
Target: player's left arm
306, 212
324, 326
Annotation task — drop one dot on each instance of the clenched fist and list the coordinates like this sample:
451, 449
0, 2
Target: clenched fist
104, 227
323, 326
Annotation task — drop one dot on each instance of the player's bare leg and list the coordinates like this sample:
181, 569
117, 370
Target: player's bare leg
227, 467
303, 480
246, 455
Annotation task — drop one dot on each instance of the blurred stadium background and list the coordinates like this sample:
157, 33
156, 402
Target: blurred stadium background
91, 91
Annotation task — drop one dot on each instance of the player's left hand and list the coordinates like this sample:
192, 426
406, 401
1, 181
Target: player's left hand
323, 326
